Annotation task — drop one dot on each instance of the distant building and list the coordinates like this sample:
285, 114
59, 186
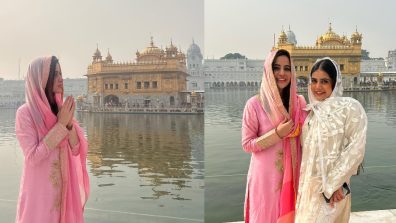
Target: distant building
233, 73
12, 92
391, 60
291, 37
157, 78
75, 87
378, 70
346, 52
373, 65
195, 80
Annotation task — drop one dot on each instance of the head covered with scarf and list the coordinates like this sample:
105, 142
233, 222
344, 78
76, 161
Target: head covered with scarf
274, 106
75, 183
331, 68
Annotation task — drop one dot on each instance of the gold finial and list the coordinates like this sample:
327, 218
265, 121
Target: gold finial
151, 41
330, 29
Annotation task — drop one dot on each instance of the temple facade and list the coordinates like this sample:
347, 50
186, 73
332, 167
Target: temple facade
156, 78
345, 51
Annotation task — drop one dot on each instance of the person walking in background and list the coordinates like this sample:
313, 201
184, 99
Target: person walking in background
270, 132
333, 139
54, 184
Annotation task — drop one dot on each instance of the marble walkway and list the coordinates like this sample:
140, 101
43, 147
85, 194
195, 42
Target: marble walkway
379, 216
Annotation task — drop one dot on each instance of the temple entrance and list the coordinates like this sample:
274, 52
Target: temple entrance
111, 100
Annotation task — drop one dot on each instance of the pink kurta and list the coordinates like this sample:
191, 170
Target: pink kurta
54, 184
265, 176
40, 196
272, 181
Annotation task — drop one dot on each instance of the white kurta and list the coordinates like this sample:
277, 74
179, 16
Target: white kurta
333, 138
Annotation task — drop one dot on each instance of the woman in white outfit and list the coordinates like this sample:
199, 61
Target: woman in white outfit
333, 139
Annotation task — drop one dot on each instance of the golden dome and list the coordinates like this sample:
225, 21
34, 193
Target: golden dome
331, 38
282, 37
152, 49
283, 34
356, 37
330, 35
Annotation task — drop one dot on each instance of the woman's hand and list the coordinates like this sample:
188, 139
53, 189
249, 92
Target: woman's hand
337, 196
70, 123
284, 128
66, 112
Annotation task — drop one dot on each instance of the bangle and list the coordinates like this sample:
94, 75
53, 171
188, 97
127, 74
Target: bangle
276, 131
69, 127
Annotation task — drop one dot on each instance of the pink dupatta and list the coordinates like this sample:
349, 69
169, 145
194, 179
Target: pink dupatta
273, 106
75, 182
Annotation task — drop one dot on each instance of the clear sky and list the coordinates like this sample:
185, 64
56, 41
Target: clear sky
70, 29
248, 26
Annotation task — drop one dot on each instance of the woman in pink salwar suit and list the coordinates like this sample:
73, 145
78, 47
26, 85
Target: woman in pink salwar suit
54, 184
270, 132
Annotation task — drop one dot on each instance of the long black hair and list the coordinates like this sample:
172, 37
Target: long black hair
286, 91
50, 86
327, 66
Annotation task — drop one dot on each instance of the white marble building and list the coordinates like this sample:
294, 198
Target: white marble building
377, 71
371, 65
231, 73
391, 60
196, 78
12, 92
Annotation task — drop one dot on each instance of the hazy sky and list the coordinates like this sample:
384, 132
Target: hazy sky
248, 26
70, 29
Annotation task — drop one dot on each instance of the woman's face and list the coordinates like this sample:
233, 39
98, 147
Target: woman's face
58, 80
282, 72
321, 85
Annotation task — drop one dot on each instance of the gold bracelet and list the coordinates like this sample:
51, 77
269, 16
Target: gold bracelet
276, 131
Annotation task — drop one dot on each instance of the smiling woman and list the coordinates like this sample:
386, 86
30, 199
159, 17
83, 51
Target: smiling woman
323, 79
270, 132
333, 141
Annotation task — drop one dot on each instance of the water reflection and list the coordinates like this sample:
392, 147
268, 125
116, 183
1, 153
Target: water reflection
165, 150
378, 103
